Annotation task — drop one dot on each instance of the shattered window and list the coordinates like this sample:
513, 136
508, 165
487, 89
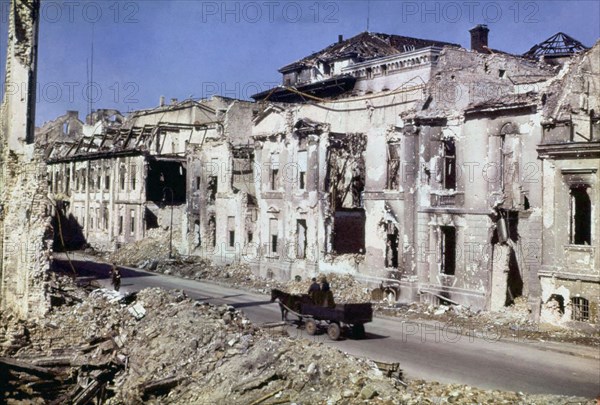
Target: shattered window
105, 217
302, 167
274, 178
212, 189
393, 167
122, 177
231, 231
133, 176
274, 232
132, 221
448, 249
301, 242
580, 226
212, 231
449, 162
580, 309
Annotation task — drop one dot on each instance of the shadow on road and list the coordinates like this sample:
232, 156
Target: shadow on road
88, 271
238, 305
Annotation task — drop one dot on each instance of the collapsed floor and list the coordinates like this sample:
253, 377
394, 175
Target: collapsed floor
157, 346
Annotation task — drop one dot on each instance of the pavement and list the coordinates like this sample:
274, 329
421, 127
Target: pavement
425, 349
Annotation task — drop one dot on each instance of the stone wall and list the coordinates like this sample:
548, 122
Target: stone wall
25, 232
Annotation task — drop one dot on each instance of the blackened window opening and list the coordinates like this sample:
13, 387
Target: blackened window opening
581, 216
449, 161
166, 182
212, 189
448, 249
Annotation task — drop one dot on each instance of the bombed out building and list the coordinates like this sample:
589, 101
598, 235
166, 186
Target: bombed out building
442, 173
123, 176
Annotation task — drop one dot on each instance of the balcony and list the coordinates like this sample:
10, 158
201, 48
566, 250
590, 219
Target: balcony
447, 198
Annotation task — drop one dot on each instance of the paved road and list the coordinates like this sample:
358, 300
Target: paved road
425, 350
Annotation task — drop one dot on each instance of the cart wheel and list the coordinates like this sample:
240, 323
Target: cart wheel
311, 327
358, 331
334, 331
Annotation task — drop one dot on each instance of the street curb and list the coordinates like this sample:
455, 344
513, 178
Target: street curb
537, 343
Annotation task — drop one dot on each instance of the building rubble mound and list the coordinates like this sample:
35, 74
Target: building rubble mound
159, 346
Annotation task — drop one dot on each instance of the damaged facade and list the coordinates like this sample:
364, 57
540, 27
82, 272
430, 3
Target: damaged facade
441, 172
25, 233
123, 177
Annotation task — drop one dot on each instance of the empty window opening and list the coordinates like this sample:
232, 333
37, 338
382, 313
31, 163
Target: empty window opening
580, 229
448, 249
231, 230
249, 236
301, 242
197, 182
67, 180
274, 235
163, 174
212, 189
132, 222
197, 234
274, 179
349, 231
150, 219
501, 73
133, 175
391, 251
514, 282
105, 218
580, 309
212, 231
302, 167
393, 166
560, 300
449, 161
122, 177
120, 224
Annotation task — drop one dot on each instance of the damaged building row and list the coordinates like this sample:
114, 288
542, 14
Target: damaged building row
446, 174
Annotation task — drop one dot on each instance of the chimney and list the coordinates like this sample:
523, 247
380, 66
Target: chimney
479, 38
340, 39
161, 101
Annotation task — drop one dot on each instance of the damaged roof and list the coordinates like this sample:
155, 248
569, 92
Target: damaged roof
559, 44
365, 46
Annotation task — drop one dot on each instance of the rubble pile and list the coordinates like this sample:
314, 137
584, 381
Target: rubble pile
153, 248
161, 347
512, 322
344, 286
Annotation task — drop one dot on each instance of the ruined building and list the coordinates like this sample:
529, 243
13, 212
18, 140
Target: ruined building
441, 172
25, 235
124, 176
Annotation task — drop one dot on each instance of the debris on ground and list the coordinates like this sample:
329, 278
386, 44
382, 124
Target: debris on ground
162, 347
514, 321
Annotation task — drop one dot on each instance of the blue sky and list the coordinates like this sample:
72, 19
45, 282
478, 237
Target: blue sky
182, 48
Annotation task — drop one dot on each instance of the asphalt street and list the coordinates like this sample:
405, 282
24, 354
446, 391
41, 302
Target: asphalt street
431, 351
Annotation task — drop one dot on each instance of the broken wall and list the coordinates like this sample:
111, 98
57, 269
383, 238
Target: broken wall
570, 151
25, 233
